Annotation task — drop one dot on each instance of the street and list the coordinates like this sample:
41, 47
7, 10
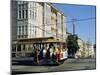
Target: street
68, 65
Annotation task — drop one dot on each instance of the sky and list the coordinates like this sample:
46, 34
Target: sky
85, 14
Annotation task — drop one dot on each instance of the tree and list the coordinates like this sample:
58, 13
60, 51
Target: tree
72, 44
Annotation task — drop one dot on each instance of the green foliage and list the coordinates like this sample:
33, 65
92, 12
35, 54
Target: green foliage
72, 44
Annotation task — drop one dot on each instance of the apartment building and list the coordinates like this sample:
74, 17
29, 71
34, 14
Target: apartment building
88, 49
39, 20
85, 50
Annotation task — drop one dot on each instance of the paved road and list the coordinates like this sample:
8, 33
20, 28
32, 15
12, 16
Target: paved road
69, 64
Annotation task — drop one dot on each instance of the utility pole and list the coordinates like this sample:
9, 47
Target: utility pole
73, 26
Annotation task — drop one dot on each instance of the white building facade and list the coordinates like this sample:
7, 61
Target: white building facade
39, 20
85, 49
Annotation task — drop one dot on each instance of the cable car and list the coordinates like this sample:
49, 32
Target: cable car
57, 55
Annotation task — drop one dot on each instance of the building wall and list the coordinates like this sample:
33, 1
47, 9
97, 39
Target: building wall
59, 25
47, 20
81, 48
64, 28
22, 19
80, 43
86, 49
53, 22
89, 50
39, 20
13, 20
31, 19
35, 20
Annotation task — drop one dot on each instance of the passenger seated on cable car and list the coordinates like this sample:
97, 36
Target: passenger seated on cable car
41, 53
61, 53
54, 54
57, 54
51, 51
44, 54
48, 55
35, 54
